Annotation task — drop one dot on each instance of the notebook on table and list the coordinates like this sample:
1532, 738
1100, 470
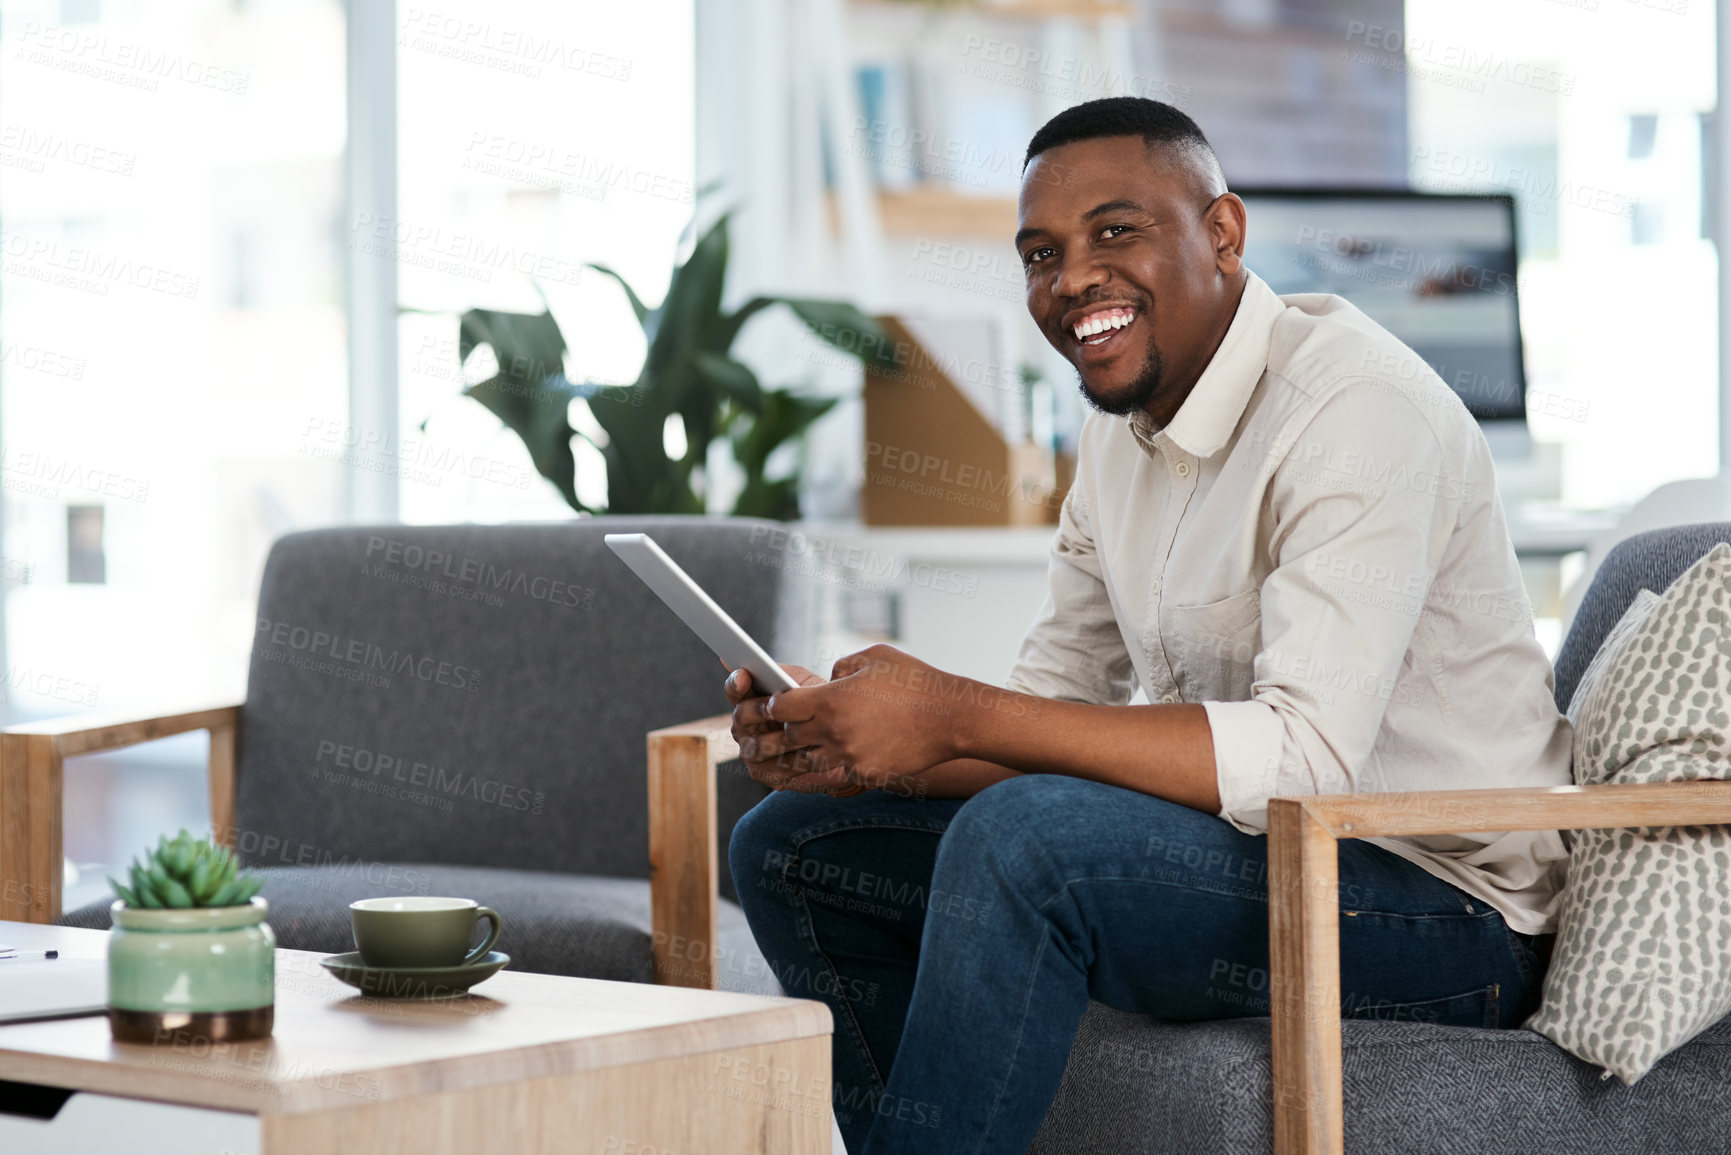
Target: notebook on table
55, 988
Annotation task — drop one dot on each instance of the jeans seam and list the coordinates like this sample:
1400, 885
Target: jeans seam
1208, 886
1021, 1031
1039, 954
798, 841
1434, 916
808, 934
818, 830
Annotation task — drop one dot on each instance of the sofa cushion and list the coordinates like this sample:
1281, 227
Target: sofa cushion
1139, 1086
559, 924
1643, 953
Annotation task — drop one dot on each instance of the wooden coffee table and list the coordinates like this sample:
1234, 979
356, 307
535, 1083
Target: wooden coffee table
525, 1064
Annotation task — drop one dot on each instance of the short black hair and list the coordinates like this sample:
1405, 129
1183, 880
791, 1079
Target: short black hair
1155, 122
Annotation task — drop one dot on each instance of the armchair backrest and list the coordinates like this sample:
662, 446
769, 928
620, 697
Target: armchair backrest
1652, 561
479, 695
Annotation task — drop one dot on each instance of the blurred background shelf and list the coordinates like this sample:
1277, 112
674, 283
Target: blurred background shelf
961, 597
927, 212
1021, 9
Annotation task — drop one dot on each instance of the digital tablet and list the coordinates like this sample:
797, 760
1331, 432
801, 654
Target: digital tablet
698, 610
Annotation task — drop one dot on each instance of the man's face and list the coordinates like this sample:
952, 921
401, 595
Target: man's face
1123, 241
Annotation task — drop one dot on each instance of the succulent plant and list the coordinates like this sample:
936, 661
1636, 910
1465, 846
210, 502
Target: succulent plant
186, 872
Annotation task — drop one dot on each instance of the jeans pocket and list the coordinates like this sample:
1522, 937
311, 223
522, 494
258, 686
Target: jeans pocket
1525, 956
1474, 1008
1532, 963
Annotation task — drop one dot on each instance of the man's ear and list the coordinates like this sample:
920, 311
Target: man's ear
1225, 221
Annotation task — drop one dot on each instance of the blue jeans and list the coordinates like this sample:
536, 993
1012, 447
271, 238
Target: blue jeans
958, 942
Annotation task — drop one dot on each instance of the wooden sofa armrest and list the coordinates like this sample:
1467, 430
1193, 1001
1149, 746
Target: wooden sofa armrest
684, 867
1304, 908
1706, 803
32, 820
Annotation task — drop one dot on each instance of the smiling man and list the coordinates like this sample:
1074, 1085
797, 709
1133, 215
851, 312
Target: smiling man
1285, 531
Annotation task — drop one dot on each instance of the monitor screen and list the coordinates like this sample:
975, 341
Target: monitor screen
1436, 270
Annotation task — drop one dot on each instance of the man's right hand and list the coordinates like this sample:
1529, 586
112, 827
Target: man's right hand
793, 769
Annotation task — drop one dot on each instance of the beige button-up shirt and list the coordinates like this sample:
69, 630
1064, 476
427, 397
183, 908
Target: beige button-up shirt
1314, 550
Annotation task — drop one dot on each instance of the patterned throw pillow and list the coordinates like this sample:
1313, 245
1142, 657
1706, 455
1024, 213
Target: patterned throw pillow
1633, 619
1642, 962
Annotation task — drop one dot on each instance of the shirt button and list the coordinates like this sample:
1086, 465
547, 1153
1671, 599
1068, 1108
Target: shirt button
1169, 700
1183, 469
1154, 587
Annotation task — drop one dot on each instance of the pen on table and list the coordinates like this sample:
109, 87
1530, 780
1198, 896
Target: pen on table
21, 955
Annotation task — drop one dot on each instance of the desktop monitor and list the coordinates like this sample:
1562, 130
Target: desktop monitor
1436, 270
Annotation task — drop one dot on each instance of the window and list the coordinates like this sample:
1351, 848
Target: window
170, 316
1643, 129
1619, 291
532, 140
156, 372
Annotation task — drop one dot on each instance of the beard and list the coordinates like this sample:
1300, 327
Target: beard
1136, 396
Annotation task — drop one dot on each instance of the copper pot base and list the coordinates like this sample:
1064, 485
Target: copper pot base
186, 1028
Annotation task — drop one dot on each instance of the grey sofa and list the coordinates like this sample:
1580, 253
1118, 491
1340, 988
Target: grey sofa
1136, 1086
461, 710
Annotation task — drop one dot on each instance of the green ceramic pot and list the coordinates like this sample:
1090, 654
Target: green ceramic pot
186, 975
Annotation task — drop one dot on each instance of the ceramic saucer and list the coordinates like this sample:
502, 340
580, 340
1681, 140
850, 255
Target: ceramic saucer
413, 982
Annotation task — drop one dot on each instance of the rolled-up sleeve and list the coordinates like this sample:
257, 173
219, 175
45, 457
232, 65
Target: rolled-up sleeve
1360, 525
1074, 650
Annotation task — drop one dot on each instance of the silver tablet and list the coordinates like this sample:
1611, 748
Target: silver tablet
698, 610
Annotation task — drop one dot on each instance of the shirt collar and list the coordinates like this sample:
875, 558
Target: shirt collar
1209, 415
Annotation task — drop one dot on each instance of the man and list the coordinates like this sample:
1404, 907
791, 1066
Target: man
1291, 541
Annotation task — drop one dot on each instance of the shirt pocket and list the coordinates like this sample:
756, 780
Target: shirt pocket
1213, 647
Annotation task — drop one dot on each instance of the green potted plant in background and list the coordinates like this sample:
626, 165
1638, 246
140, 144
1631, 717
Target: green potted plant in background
688, 373
191, 955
